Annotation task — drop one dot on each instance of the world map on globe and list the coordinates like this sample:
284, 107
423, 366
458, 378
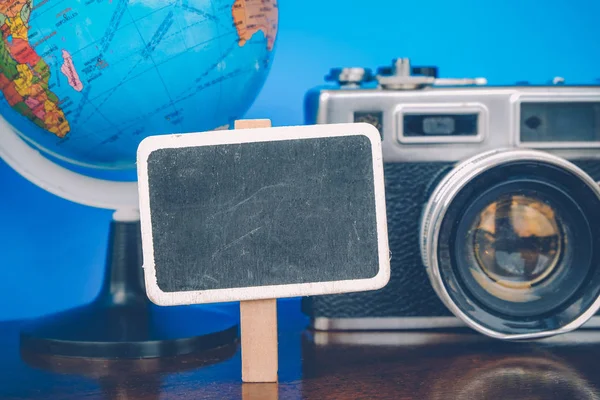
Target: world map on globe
86, 80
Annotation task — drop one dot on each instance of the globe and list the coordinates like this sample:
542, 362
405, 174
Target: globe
84, 81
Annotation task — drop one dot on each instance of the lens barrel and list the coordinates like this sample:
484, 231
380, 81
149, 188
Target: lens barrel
511, 242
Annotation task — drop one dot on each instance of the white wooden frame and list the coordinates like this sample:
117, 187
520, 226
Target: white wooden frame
153, 143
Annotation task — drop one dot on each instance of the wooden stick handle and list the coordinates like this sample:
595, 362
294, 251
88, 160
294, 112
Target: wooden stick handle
258, 327
260, 391
251, 123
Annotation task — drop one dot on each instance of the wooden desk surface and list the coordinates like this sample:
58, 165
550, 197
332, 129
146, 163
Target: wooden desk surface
417, 365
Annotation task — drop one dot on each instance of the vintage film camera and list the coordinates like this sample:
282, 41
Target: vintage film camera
492, 199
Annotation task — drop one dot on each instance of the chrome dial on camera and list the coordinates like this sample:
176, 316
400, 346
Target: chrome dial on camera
350, 77
402, 76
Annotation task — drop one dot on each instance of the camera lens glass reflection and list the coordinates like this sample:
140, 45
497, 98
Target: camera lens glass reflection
522, 251
517, 241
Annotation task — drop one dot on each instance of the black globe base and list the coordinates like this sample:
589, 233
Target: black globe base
128, 332
122, 322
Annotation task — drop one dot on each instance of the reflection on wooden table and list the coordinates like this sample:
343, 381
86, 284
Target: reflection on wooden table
458, 365
433, 365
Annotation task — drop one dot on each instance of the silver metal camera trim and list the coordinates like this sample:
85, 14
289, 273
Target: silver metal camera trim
338, 105
396, 333
556, 97
439, 108
401, 324
441, 199
385, 323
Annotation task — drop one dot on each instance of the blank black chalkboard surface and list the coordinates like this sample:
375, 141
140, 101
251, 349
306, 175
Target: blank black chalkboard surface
262, 213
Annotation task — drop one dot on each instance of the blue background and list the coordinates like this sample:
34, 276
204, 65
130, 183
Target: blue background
52, 252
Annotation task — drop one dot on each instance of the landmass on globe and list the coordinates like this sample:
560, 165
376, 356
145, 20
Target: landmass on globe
24, 75
68, 69
97, 76
252, 16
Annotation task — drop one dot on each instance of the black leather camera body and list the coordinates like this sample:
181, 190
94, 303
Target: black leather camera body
492, 197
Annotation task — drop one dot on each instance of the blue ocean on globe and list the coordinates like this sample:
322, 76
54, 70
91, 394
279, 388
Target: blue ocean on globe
86, 80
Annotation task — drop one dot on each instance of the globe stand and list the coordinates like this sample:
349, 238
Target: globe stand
121, 322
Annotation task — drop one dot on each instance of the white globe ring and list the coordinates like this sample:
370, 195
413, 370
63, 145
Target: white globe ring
78, 188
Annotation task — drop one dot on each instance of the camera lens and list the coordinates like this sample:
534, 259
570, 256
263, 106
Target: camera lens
517, 256
511, 244
516, 242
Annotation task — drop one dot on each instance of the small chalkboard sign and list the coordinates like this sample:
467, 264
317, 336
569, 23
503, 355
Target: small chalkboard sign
262, 213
